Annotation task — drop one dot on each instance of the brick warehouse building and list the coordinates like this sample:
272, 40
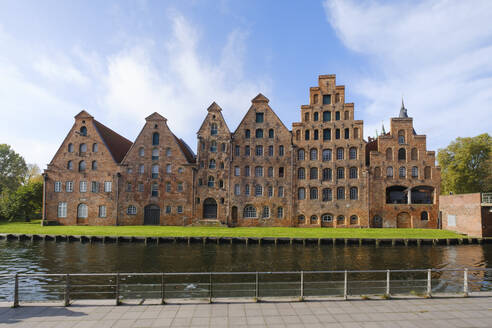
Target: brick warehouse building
322, 173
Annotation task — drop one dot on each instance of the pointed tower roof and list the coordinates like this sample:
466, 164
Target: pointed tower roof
260, 98
383, 131
214, 107
403, 110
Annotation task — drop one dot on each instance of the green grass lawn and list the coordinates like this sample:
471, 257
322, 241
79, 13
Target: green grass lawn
170, 231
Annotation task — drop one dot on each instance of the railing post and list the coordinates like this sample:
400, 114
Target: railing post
16, 291
210, 288
67, 290
117, 289
345, 285
429, 283
163, 289
257, 287
302, 287
388, 283
465, 283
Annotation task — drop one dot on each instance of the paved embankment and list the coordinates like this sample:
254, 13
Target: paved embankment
403, 312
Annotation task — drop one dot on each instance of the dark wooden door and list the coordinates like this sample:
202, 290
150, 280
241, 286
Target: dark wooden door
377, 222
209, 209
152, 215
234, 215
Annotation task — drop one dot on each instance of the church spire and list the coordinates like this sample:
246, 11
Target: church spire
383, 131
403, 110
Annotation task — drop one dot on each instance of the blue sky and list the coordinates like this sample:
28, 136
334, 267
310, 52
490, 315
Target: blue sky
123, 60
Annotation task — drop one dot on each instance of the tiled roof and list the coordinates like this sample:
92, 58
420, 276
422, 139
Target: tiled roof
190, 156
117, 144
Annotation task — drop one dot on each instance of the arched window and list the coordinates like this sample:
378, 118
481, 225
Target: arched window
402, 172
155, 171
301, 219
389, 154
155, 138
337, 133
141, 169
327, 174
211, 165
258, 190
401, 137
298, 135
300, 154
402, 154
70, 148
211, 181
389, 171
415, 172
221, 183
327, 218
313, 173
316, 116
94, 165
306, 135
131, 210
341, 219
326, 194
306, 117
213, 129
141, 152
313, 154
354, 219
424, 216
83, 131
313, 193
301, 193
346, 133
377, 172
340, 173
82, 211
314, 219
340, 153
326, 155
353, 174
353, 153
316, 134
69, 165
246, 189
94, 147
81, 166
249, 212
259, 133
213, 146
83, 148
271, 134
354, 193
247, 134
414, 154
301, 173
427, 172
340, 193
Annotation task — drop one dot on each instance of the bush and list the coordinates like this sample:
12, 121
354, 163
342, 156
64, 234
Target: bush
23, 204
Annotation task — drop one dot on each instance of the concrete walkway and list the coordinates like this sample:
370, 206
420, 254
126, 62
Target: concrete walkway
435, 312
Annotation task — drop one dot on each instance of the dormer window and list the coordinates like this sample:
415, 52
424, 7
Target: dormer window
83, 131
213, 129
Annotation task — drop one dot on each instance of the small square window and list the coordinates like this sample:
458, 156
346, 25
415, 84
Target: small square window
326, 99
259, 117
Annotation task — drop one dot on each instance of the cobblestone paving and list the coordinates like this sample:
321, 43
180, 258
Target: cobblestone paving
435, 312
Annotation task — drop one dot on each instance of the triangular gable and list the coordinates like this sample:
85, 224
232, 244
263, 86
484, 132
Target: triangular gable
214, 109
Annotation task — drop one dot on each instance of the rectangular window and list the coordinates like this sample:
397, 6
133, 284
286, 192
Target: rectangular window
280, 150
168, 168
326, 116
326, 134
95, 186
270, 150
259, 171
237, 171
280, 212
247, 151
107, 186
246, 190
180, 186
168, 186
315, 135
259, 117
141, 187
128, 187
62, 210
69, 186
259, 150
326, 99
57, 186
270, 191
102, 211
180, 209
237, 190
168, 209
236, 151
280, 172
246, 171
280, 192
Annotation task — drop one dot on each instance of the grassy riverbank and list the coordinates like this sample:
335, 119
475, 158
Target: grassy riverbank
168, 231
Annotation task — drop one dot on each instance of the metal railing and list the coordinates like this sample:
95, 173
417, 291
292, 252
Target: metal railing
487, 198
27, 287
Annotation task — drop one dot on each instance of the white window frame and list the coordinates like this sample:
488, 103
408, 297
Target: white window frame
62, 210
108, 185
57, 186
102, 211
83, 186
69, 186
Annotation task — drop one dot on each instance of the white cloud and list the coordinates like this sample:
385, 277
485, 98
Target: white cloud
436, 53
60, 69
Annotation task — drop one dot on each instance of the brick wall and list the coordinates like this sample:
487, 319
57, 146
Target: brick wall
466, 209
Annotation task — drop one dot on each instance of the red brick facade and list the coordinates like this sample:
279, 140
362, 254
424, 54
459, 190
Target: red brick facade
322, 173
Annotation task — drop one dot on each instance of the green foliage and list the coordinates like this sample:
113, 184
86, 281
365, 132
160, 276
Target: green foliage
34, 227
466, 165
25, 203
13, 169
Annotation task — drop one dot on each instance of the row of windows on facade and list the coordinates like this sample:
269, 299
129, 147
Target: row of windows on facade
213, 146
82, 166
250, 212
154, 169
83, 148
402, 154
402, 172
155, 187
327, 218
258, 171
327, 134
326, 154
132, 209
95, 186
326, 173
82, 210
259, 118
326, 116
326, 98
326, 193
258, 150
155, 153
258, 190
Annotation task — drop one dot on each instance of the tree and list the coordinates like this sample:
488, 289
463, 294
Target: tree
33, 173
24, 203
466, 165
12, 168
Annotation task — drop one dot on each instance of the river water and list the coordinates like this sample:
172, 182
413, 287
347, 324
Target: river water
75, 257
